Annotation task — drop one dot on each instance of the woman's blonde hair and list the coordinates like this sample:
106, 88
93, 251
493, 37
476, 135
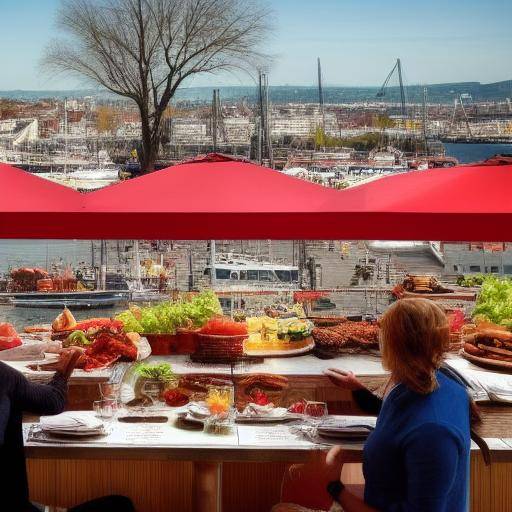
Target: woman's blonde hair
414, 336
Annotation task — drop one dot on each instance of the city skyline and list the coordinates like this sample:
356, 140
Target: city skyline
357, 41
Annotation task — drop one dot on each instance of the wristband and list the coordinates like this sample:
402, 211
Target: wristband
334, 489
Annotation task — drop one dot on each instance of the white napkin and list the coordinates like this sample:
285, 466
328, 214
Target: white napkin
198, 410
335, 423
71, 421
267, 411
486, 385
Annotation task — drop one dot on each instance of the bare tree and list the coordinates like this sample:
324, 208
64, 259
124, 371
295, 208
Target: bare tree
145, 49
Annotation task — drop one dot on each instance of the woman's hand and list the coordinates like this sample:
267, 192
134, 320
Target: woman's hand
67, 361
344, 380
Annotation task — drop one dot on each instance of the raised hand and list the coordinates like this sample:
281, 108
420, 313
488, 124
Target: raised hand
344, 380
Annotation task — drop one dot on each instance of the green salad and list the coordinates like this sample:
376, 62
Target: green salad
162, 371
166, 317
494, 302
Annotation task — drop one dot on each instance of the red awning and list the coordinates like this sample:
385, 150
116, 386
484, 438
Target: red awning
33, 207
455, 204
240, 200
219, 199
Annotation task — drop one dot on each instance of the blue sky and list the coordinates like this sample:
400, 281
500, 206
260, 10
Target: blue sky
357, 40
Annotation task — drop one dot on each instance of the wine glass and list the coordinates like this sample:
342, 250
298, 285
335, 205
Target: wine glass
315, 411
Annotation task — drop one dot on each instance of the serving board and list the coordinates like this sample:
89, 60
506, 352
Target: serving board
282, 353
483, 361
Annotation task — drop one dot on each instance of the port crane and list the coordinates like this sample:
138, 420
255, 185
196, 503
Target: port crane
460, 100
382, 91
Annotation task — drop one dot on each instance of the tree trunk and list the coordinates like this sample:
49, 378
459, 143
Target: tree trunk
151, 136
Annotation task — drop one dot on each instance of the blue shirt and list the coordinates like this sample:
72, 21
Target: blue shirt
417, 458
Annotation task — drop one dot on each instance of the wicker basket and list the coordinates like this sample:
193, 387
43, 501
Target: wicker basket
220, 347
162, 344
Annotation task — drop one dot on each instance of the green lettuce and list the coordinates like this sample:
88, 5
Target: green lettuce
495, 300
166, 317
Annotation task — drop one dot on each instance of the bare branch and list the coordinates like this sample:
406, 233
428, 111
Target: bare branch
145, 49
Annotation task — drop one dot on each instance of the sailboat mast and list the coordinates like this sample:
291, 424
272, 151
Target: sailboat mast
425, 117
321, 94
65, 135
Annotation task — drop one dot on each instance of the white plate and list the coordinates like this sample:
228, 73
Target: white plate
241, 418
282, 353
75, 433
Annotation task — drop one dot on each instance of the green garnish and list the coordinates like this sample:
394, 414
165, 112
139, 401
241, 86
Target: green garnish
162, 371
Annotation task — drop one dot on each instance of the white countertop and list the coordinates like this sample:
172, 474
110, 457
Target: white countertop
306, 365
263, 442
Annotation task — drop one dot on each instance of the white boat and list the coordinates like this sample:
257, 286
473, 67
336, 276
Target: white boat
110, 173
401, 247
241, 273
87, 178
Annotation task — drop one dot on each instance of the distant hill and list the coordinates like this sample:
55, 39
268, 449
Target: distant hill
437, 93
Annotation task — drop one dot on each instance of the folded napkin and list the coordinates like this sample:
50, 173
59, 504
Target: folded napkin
485, 385
267, 411
71, 421
198, 410
340, 428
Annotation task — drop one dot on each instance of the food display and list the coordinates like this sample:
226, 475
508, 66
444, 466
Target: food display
219, 400
108, 347
348, 337
494, 303
103, 341
196, 386
261, 389
471, 281
167, 317
220, 339
25, 279
175, 398
268, 335
490, 343
420, 284
8, 337
162, 371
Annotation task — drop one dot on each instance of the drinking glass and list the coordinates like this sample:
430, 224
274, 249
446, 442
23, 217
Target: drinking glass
315, 410
110, 390
152, 389
106, 409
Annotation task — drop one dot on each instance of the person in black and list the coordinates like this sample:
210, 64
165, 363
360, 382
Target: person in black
18, 395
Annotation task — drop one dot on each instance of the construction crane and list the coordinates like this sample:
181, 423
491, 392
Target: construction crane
460, 100
382, 91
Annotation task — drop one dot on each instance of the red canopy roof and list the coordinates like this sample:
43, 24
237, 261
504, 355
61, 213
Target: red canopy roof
455, 204
33, 207
222, 199
240, 200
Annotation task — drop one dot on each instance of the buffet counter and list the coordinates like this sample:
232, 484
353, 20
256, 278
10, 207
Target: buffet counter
162, 467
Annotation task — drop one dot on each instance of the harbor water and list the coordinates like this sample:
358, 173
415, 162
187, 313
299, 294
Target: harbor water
468, 153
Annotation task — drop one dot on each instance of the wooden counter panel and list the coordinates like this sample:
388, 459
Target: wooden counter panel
154, 486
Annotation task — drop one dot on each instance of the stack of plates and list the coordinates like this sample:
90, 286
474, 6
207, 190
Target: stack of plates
72, 423
342, 429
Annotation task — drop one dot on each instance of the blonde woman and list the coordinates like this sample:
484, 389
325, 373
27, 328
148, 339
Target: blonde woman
417, 458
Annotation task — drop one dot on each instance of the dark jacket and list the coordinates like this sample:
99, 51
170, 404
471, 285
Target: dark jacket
18, 395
